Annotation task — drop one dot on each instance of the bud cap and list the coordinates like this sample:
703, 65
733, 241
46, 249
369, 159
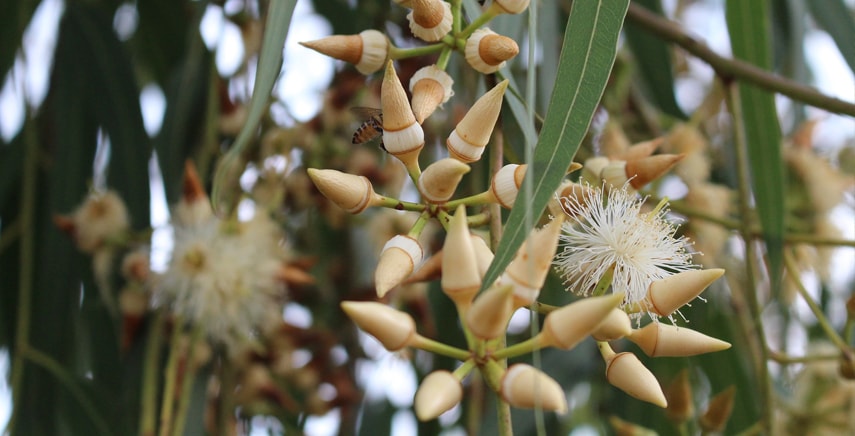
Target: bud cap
393, 328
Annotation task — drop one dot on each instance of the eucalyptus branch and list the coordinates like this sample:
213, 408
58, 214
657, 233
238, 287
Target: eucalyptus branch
791, 238
789, 360
735, 69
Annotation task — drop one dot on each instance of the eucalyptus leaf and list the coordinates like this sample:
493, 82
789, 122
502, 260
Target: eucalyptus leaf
226, 190
837, 19
748, 24
590, 46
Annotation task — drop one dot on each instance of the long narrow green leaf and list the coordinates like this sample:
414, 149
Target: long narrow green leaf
748, 24
836, 19
14, 17
590, 46
110, 76
225, 191
653, 58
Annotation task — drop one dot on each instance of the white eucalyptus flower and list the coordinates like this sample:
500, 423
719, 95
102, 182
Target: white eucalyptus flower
608, 230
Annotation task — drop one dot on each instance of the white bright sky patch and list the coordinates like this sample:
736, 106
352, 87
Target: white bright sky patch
297, 315
323, 425
307, 73
153, 106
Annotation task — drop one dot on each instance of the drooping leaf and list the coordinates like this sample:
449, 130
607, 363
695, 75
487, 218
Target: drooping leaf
590, 46
225, 190
748, 24
653, 58
837, 19
14, 17
115, 104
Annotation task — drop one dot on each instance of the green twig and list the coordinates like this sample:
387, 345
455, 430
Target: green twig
167, 408
792, 271
151, 375
731, 68
753, 328
187, 378
54, 368
27, 270
788, 360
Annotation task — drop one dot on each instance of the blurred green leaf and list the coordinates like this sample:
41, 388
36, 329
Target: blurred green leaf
653, 59
115, 104
186, 94
14, 17
162, 23
748, 24
590, 46
225, 191
837, 19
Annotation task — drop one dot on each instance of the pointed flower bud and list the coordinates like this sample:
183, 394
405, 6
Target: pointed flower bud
660, 340
714, 420
625, 372
512, 6
566, 327
430, 20
640, 150
349, 192
483, 254
466, 143
438, 182
506, 184
615, 326
367, 50
460, 277
402, 135
439, 392
486, 51
393, 328
681, 407
673, 292
430, 87
397, 261
526, 387
488, 317
527, 272
639, 172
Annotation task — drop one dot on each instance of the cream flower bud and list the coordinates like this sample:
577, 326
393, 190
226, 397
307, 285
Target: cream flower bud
397, 261
393, 328
438, 182
673, 292
486, 51
488, 317
625, 372
565, 327
526, 387
349, 192
639, 172
483, 254
430, 20
100, 217
367, 50
506, 184
640, 150
460, 276
403, 137
439, 392
615, 326
512, 6
466, 143
430, 87
665, 340
593, 168
527, 272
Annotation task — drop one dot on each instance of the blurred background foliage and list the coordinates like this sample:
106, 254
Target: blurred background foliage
77, 369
